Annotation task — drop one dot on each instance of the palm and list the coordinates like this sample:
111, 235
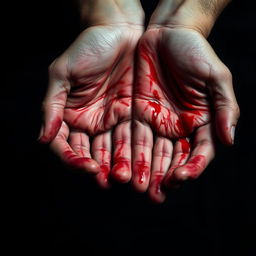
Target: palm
171, 92
100, 71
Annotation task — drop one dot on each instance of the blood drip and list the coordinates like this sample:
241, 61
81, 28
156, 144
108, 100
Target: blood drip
142, 169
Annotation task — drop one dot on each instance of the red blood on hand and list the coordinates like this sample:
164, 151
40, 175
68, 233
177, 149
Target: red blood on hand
53, 129
156, 109
185, 145
142, 169
157, 180
76, 161
195, 166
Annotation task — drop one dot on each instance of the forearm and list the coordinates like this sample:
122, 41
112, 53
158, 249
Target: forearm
196, 14
104, 12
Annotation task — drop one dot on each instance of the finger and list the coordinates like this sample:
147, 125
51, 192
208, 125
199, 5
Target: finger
101, 151
181, 154
80, 143
162, 155
121, 170
226, 107
53, 105
61, 147
202, 154
142, 154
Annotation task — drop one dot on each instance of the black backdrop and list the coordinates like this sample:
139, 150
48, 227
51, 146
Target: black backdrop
53, 208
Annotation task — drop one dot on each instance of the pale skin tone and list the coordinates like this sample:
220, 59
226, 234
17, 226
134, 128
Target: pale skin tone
153, 123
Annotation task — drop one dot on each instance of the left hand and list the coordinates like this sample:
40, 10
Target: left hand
182, 88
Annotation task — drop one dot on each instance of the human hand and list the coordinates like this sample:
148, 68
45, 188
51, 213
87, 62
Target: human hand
183, 93
89, 94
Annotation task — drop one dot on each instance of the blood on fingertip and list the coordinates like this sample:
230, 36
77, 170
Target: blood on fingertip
192, 169
121, 169
53, 129
157, 180
142, 169
105, 170
83, 163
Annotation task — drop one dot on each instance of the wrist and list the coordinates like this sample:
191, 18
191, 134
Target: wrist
199, 15
111, 12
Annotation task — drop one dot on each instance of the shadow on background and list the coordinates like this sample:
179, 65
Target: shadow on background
57, 209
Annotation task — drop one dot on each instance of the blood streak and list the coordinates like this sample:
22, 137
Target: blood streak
182, 158
124, 103
196, 165
105, 170
152, 70
185, 145
158, 177
81, 112
156, 109
118, 152
156, 95
121, 169
73, 159
142, 169
121, 164
53, 129
185, 124
166, 121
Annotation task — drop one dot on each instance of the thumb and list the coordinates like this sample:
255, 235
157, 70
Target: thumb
226, 108
53, 107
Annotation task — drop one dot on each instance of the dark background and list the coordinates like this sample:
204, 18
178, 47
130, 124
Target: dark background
53, 209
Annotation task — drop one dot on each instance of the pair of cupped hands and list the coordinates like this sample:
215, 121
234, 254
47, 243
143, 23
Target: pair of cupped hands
145, 107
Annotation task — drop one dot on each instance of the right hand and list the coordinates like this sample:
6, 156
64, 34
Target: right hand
89, 94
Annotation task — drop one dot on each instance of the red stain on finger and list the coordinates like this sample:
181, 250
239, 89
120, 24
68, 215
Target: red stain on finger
185, 148
121, 169
105, 170
53, 130
72, 159
142, 169
195, 166
157, 180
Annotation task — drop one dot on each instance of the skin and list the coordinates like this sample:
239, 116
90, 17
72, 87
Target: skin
155, 126
183, 96
89, 96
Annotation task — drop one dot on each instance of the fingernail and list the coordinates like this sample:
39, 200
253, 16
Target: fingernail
232, 133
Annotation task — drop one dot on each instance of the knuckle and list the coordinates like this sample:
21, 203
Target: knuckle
143, 143
79, 147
